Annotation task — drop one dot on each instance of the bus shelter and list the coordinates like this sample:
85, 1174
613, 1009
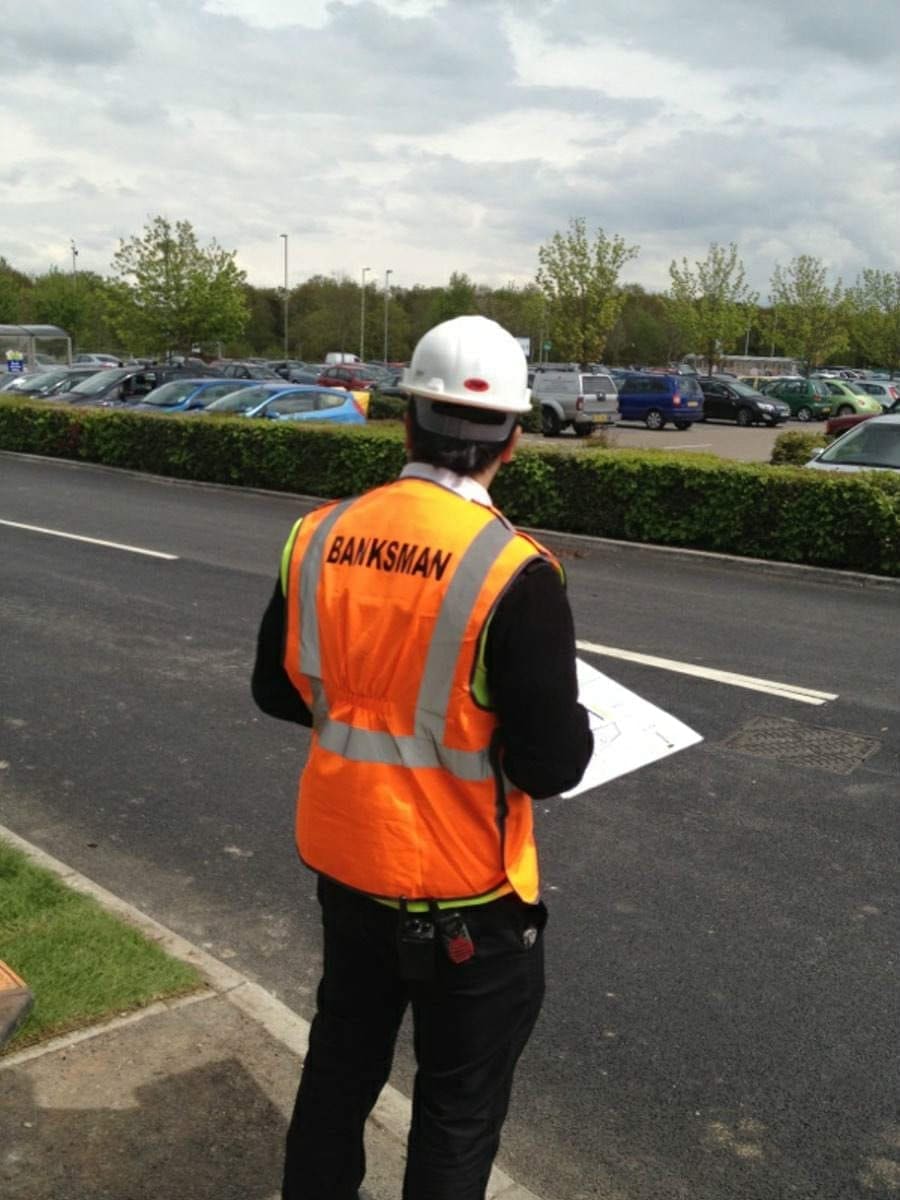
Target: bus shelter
34, 345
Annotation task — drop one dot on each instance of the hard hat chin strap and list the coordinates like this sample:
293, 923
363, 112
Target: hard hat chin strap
447, 419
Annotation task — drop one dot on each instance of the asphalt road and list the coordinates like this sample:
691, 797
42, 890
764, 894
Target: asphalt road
722, 1018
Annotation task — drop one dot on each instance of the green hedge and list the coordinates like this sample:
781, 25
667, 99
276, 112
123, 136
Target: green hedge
796, 447
781, 513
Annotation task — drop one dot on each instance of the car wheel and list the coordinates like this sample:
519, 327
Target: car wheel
654, 419
744, 417
804, 414
846, 410
682, 424
550, 423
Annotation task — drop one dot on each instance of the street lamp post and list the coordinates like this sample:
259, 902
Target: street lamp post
387, 298
362, 316
285, 237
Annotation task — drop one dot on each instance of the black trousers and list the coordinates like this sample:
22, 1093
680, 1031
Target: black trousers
470, 1025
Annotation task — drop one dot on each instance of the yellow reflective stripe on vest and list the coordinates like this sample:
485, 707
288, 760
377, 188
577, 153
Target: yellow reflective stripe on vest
286, 555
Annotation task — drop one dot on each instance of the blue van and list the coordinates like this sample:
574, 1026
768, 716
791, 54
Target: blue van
655, 399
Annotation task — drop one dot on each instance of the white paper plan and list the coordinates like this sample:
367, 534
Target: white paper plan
628, 732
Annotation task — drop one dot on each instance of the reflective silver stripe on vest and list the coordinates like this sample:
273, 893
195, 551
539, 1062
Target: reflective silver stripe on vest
366, 745
425, 747
453, 619
310, 573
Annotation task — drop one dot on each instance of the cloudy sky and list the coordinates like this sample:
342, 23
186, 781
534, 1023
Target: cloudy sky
428, 136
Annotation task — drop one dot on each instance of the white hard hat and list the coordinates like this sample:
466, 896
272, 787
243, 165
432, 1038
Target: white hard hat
470, 361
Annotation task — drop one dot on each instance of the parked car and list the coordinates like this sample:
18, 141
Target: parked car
872, 445
99, 360
808, 399
731, 400
839, 425
884, 391
285, 367
849, 397
49, 382
299, 402
185, 395
659, 397
567, 397
125, 385
355, 377
245, 369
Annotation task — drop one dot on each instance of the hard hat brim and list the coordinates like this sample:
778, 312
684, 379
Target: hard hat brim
469, 399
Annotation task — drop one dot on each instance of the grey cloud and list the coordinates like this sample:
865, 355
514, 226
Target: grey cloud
45, 33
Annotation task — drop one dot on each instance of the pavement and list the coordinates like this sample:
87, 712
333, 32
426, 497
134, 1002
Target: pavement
184, 1099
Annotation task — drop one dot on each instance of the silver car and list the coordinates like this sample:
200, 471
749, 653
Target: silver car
872, 445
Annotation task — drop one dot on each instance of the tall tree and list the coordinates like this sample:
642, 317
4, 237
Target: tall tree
457, 299
711, 303
875, 317
812, 317
580, 280
13, 285
172, 292
79, 304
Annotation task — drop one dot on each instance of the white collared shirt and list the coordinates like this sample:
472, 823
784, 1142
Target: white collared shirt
463, 485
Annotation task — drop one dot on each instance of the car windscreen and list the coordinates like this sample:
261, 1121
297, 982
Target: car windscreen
95, 384
688, 386
869, 444
598, 384
44, 379
170, 394
240, 401
744, 389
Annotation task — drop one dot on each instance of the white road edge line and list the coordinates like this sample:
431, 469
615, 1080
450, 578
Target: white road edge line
787, 691
77, 537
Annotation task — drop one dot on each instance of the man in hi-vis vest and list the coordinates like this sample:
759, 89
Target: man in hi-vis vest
430, 646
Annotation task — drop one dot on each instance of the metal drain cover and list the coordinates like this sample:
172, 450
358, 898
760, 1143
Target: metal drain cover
789, 741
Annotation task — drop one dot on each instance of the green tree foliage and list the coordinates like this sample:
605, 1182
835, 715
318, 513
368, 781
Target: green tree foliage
711, 303
457, 299
874, 305
580, 280
171, 293
645, 333
812, 317
13, 285
79, 304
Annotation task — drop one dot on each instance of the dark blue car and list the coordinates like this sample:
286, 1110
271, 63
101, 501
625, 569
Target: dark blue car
182, 395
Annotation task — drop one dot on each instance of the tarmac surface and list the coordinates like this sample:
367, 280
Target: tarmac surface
183, 1100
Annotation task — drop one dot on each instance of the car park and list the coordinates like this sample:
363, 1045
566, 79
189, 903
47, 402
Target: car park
567, 397
808, 399
186, 395
872, 445
49, 382
655, 398
848, 397
125, 385
98, 360
355, 377
298, 402
839, 425
885, 391
731, 400
246, 369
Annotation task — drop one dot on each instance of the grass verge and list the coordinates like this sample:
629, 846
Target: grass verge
81, 963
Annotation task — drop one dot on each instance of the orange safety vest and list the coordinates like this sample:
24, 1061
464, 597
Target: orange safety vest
403, 795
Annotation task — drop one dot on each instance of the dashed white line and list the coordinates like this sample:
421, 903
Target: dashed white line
77, 537
788, 691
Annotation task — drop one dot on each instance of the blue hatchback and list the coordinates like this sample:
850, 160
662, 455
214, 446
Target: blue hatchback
182, 395
655, 399
291, 402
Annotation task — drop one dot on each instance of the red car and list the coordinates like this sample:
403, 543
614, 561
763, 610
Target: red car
839, 425
355, 377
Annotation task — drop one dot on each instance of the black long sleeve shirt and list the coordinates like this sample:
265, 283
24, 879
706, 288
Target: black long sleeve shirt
530, 662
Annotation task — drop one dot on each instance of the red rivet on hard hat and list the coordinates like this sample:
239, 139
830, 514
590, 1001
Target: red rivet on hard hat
477, 385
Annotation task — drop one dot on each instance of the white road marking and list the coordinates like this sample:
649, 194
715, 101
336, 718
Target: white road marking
76, 537
788, 691
690, 446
